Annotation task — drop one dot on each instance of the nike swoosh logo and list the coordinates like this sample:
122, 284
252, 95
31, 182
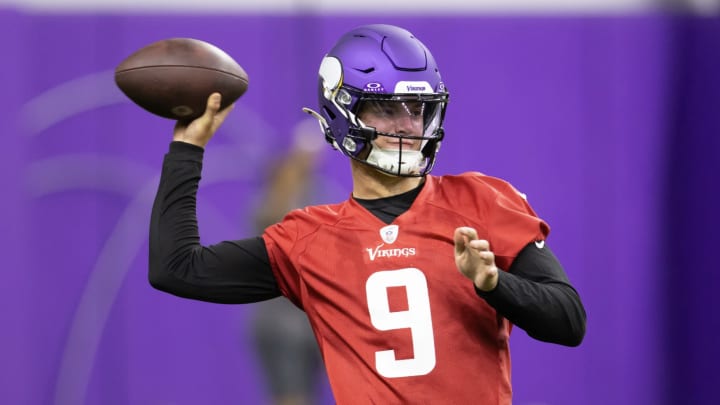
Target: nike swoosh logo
540, 244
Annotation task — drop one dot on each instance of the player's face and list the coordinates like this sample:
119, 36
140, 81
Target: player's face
395, 117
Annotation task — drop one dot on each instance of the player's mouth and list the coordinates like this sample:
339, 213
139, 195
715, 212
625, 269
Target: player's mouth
397, 145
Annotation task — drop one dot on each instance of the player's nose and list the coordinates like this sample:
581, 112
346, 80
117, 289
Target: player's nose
405, 125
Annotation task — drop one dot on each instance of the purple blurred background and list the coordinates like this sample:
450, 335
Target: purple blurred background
610, 124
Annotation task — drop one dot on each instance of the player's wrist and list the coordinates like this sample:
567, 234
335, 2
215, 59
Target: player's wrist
487, 283
179, 148
191, 141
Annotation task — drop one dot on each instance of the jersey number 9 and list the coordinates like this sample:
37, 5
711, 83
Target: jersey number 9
417, 318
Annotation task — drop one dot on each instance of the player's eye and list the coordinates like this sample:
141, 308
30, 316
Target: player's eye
414, 109
389, 112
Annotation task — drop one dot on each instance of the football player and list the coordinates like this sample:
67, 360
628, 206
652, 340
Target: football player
413, 284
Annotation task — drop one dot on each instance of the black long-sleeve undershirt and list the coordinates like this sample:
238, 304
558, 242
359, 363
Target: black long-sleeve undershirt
534, 294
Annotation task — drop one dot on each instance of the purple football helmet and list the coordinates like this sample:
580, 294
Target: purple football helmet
381, 67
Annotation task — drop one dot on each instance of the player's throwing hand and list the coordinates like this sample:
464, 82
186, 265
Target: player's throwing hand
474, 259
199, 131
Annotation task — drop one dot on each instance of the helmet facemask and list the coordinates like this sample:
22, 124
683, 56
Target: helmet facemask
401, 133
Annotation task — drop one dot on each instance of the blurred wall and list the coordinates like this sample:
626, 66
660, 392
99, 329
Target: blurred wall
608, 122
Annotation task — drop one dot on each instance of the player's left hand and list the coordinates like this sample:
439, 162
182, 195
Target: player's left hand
474, 259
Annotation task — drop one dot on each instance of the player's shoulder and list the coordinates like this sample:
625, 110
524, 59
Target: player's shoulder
475, 183
318, 215
304, 222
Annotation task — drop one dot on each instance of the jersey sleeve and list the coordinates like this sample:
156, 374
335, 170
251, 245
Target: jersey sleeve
511, 222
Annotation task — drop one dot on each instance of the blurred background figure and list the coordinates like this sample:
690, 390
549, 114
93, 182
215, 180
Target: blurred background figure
289, 356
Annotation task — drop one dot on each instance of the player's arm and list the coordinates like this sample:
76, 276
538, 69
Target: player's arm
229, 272
536, 295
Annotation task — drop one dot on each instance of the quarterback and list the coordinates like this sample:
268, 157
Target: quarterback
412, 285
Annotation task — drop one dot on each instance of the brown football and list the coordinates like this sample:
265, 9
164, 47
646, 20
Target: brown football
173, 78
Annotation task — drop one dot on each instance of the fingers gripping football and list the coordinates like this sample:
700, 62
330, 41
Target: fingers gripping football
199, 131
474, 259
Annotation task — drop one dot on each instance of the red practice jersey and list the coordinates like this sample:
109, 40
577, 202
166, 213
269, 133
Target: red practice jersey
395, 320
